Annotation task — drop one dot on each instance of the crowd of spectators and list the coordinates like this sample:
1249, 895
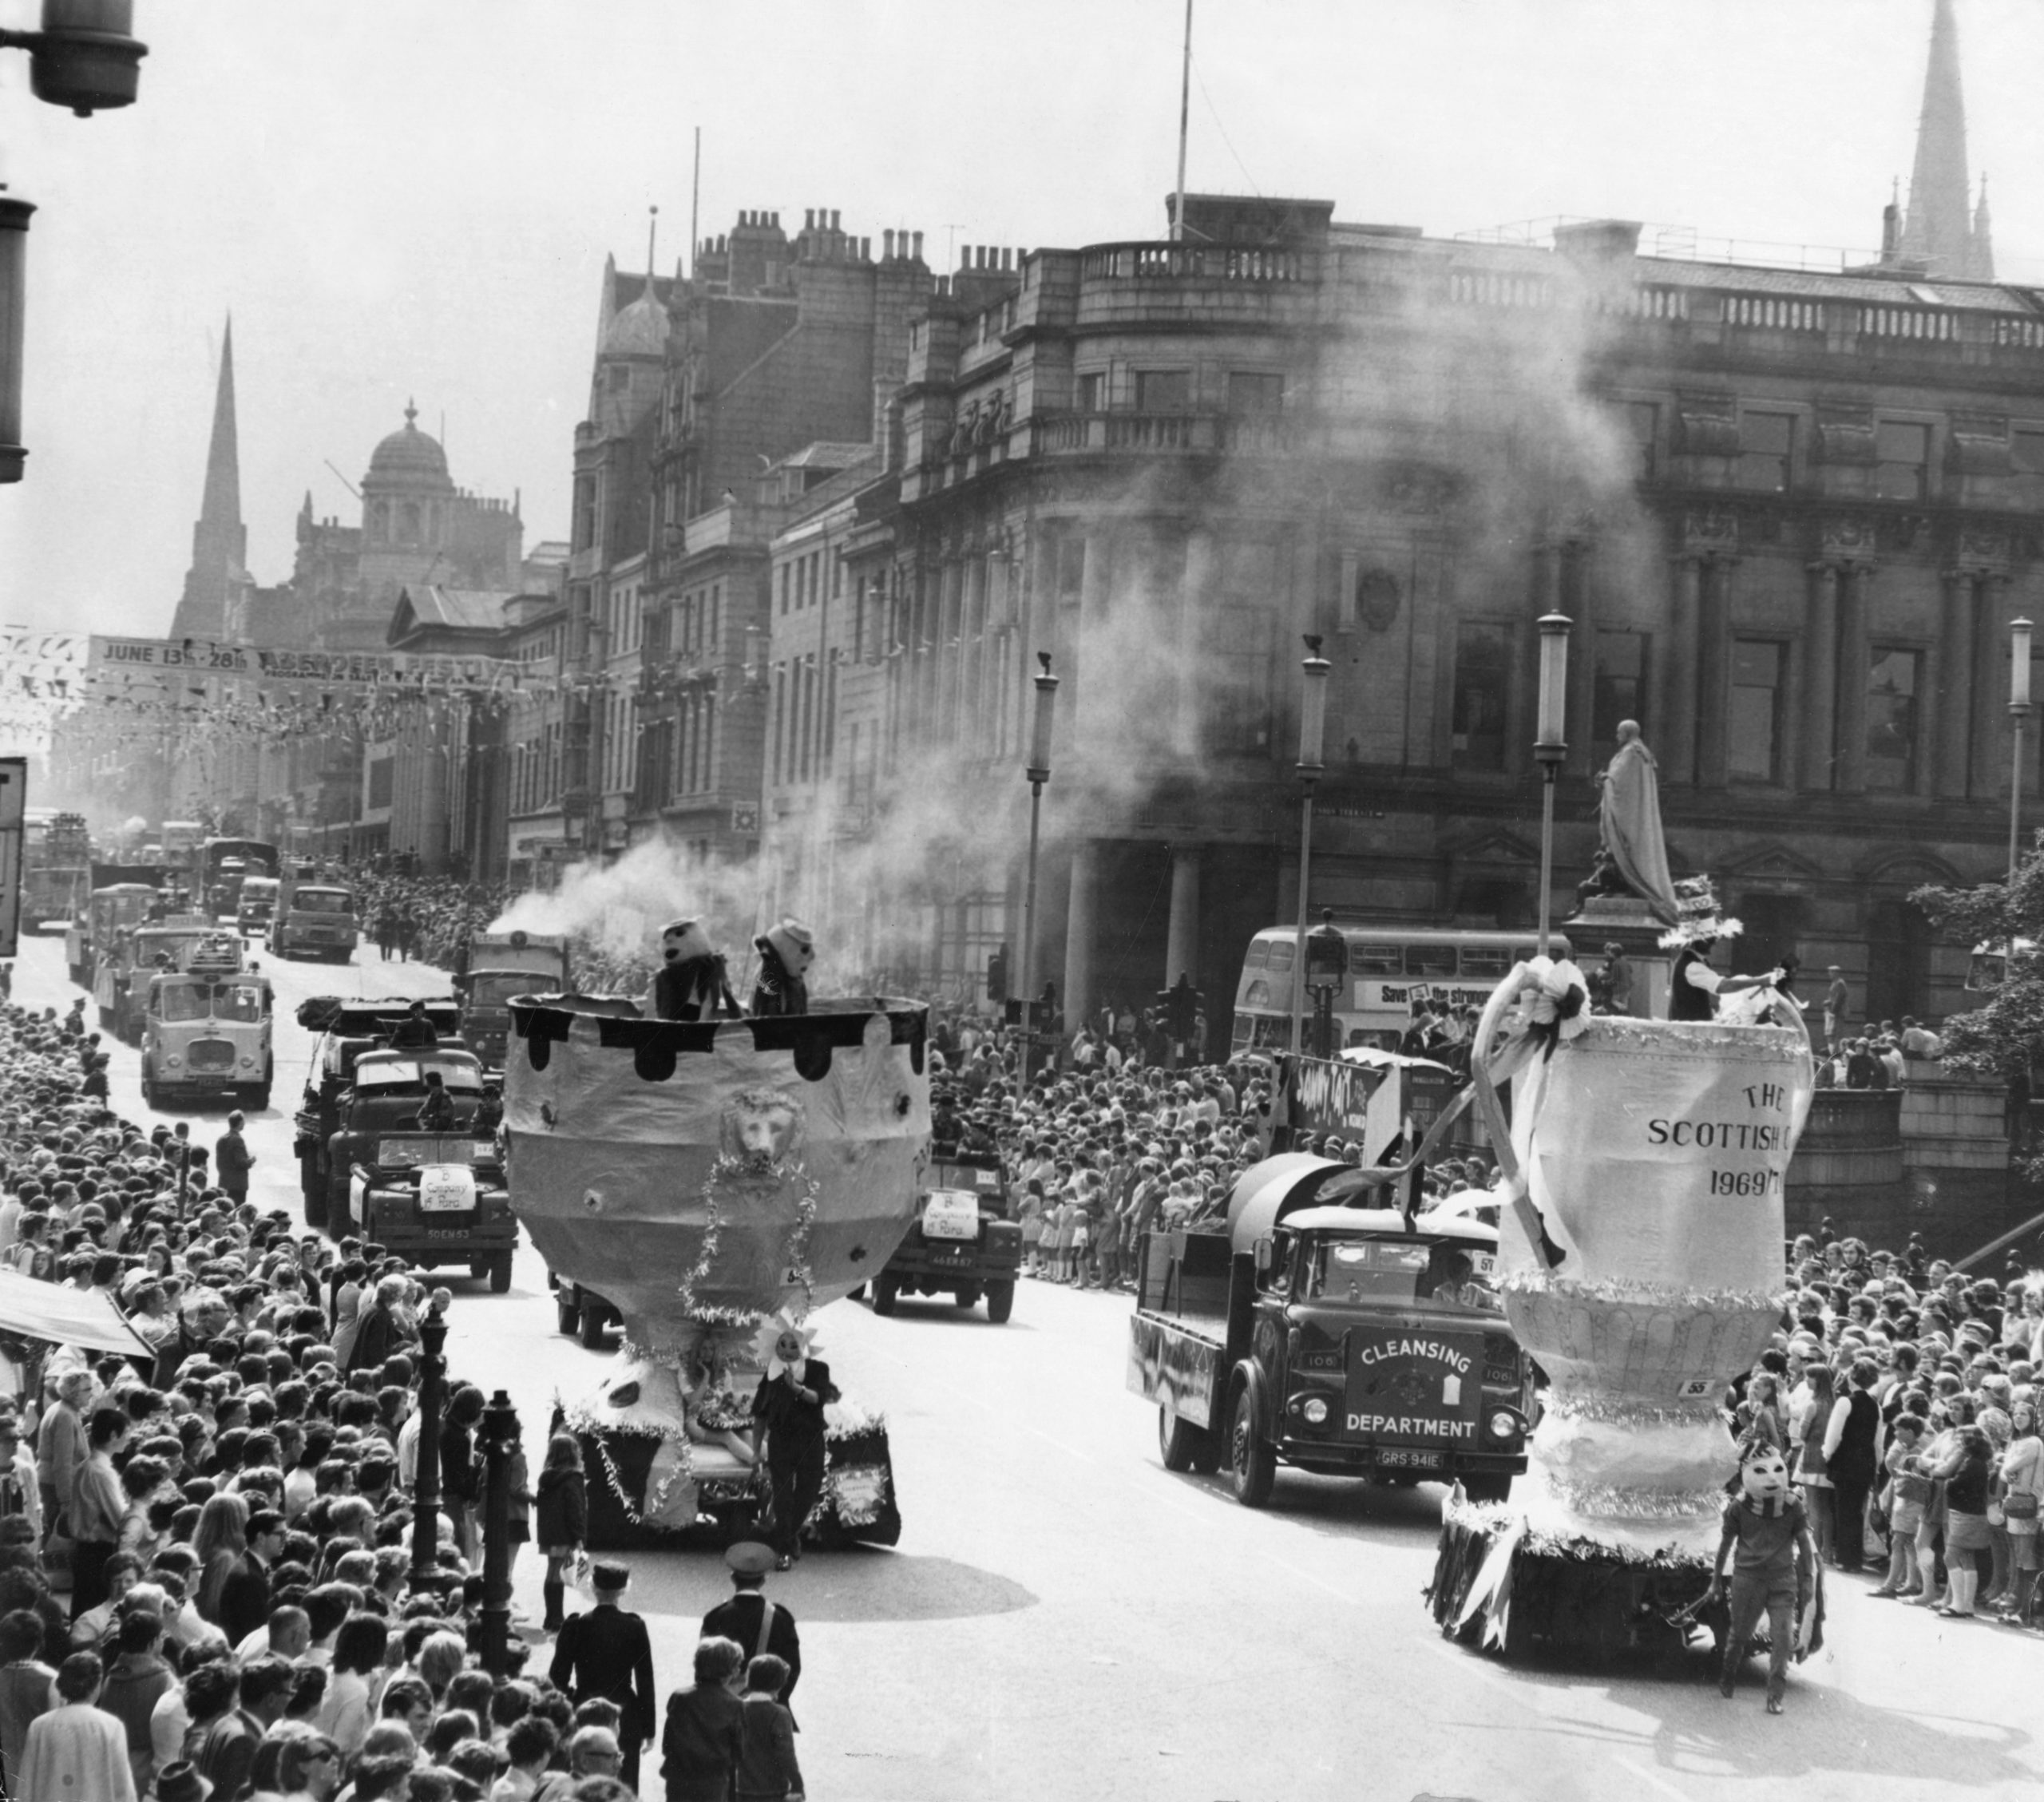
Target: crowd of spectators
1904, 1393
205, 1584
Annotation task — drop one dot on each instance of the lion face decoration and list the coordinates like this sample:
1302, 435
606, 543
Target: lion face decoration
1765, 1474
760, 1126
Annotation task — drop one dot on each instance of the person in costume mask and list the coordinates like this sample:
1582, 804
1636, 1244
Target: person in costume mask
1774, 1567
691, 983
785, 953
787, 1414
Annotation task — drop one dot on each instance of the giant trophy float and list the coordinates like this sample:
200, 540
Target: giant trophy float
717, 1180
1640, 1246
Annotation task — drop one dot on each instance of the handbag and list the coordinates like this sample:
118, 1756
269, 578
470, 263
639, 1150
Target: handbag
2018, 1505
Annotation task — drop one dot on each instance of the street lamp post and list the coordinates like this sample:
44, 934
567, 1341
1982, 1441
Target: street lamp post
1039, 773
1312, 732
2019, 630
426, 1483
500, 1439
1549, 747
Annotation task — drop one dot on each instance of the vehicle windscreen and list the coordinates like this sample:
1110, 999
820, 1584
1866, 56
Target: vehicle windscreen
185, 1000
322, 901
401, 1073
241, 1002
1447, 1275
494, 988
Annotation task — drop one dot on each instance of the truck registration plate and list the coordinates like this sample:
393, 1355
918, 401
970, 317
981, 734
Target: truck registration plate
1402, 1458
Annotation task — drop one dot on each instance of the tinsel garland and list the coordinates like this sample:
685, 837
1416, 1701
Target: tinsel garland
1632, 1414
1630, 1292
581, 1421
1614, 1502
725, 1165
1490, 1518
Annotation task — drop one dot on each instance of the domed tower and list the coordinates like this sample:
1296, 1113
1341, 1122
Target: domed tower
405, 493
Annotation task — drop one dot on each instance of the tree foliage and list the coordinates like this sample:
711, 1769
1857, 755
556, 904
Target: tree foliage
2006, 1035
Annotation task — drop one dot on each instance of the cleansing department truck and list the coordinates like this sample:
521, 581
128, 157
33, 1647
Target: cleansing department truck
1330, 1337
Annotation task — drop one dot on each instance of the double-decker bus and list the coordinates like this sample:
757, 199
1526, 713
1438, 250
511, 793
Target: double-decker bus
1393, 971
56, 868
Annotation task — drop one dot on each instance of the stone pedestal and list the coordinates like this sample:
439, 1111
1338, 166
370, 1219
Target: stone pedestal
1624, 920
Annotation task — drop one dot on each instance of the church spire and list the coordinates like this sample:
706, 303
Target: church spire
222, 505
1937, 232
220, 543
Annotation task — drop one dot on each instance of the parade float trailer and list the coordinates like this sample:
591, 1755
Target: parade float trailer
706, 1178
1641, 1253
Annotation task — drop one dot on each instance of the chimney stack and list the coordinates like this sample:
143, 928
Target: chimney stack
917, 253
887, 245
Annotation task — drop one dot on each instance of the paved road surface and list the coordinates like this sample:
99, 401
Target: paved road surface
1064, 1619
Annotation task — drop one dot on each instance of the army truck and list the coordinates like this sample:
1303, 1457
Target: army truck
1341, 1340
433, 1197
495, 967
347, 1029
963, 1244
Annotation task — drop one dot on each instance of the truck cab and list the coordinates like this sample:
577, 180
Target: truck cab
1332, 1337
963, 1243
206, 1031
122, 972
314, 919
496, 967
347, 1029
256, 904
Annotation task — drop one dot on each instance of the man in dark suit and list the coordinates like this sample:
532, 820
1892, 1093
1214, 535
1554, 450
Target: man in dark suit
787, 1413
244, 1604
605, 1653
756, 1624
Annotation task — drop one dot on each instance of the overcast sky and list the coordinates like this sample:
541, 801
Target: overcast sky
415, 199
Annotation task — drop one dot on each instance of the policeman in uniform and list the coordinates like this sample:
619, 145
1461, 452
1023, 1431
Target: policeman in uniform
756, 1624
605, 1653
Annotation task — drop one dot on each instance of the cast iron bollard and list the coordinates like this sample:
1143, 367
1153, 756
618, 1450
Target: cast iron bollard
500, 1438
426, 1577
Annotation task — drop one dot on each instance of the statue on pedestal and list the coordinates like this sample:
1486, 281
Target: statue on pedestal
1632, 855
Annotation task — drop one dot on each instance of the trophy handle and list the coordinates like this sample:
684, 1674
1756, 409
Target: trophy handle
1492, 1110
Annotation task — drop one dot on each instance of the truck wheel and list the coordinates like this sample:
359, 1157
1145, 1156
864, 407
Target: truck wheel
967, 1295
884, 1290
500, 1273
148, 1090
1488, 1488
568, 1310
592, 1334
1000, 1301
1252, 1465
1181, 1442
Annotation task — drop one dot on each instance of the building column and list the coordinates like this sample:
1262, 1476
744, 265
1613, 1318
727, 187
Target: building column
1818, 689
1990, 687
1713, 672
1075, 996
1182, 938
1954, 686
1852, 776
1578, 600
1676, 711
1196, 581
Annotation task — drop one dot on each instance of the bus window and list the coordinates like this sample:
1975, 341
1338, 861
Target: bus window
1259, 955
1240, 1039
1281, 957
1485, 960
1258, 995
1371, 959
1430, 959
1272, 1033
